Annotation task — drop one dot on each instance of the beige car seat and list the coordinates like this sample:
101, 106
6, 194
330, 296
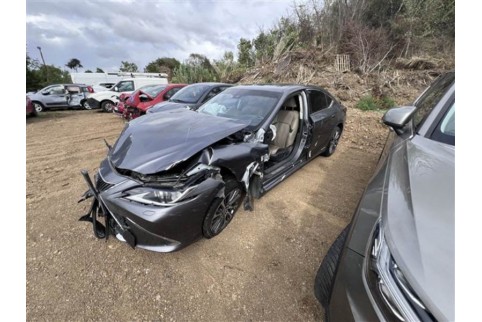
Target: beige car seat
287, 122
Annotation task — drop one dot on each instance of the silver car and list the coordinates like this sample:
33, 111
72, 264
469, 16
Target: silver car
395, 261
63, 96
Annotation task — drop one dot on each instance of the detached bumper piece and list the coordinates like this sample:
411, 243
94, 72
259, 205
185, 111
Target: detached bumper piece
112, 224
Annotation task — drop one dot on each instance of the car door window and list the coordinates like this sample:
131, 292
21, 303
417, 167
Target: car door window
445, 130
430, 98
318, 101
126, 86
58, 90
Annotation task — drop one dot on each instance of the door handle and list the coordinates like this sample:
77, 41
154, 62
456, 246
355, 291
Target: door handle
333, 116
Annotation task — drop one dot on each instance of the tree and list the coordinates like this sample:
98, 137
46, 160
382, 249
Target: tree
88, 71
197, 68
156, 66
245, 53
32, 76
73, 64
99, 70
128, 67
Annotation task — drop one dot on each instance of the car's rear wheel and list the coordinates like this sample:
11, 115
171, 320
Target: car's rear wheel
107, 106
86, 105
335, 137
222, 210
38, 107
325, 277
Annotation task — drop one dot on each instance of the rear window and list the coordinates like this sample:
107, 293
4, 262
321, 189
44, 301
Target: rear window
318, 101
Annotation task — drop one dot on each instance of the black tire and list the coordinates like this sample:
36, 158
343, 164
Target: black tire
325, 277
38, 107
335, 137
222, 210
107, 106
85, 105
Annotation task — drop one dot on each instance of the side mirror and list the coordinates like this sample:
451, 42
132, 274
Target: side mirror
143, 98
116, 89
46, 93
398, 117
167, 96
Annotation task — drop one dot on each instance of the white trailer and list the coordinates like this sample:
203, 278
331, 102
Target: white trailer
96, 78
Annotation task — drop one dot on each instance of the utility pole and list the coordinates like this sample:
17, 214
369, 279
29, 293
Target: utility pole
43, 61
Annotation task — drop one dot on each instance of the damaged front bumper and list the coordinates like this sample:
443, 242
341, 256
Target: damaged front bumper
156, 227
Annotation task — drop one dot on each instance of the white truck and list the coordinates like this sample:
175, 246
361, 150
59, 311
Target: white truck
93, 79
106, 100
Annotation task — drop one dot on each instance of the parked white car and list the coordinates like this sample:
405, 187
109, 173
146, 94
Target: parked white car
106, 100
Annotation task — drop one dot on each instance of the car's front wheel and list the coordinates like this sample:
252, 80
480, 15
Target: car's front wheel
107, 106
38, 107
222, 210
325, 277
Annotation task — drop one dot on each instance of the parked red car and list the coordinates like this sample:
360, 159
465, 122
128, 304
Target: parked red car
143, 99
30, 110
120, 106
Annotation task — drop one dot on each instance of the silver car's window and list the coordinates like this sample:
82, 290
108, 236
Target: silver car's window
431, 97
57, 90
445, 130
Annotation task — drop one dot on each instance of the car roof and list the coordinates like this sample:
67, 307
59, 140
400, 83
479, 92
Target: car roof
212, 84
281, 88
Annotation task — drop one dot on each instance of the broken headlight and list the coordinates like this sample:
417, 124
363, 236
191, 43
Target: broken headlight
157, 197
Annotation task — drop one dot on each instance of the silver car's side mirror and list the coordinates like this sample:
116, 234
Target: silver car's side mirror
398, 117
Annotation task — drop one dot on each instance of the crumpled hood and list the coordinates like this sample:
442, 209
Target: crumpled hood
157, 141
166, 105
419, 221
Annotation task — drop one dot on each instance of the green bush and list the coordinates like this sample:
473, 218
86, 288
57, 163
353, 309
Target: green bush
370, 103
367, 103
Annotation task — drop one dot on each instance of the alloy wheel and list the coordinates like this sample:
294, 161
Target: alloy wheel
225, 211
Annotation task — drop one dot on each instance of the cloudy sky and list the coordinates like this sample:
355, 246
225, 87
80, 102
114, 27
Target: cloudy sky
102, 33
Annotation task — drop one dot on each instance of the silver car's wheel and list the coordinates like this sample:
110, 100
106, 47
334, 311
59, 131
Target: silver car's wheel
38, 107
86, 105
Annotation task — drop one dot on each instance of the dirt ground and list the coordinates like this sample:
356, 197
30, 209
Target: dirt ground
261, 267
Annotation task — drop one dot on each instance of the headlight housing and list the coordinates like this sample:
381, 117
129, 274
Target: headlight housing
387, 285
157, 197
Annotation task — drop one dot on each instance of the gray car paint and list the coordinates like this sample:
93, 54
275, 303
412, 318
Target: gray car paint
419, 220
181, 133
413, 191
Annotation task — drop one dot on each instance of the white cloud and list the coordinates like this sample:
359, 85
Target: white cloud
101, 34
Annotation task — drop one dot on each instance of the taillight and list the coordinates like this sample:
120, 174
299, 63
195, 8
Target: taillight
90, 89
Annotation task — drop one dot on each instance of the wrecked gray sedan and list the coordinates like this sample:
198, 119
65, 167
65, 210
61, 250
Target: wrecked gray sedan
176, 176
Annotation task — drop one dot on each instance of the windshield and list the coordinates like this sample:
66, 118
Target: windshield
190, 94
153, 91
246, 105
